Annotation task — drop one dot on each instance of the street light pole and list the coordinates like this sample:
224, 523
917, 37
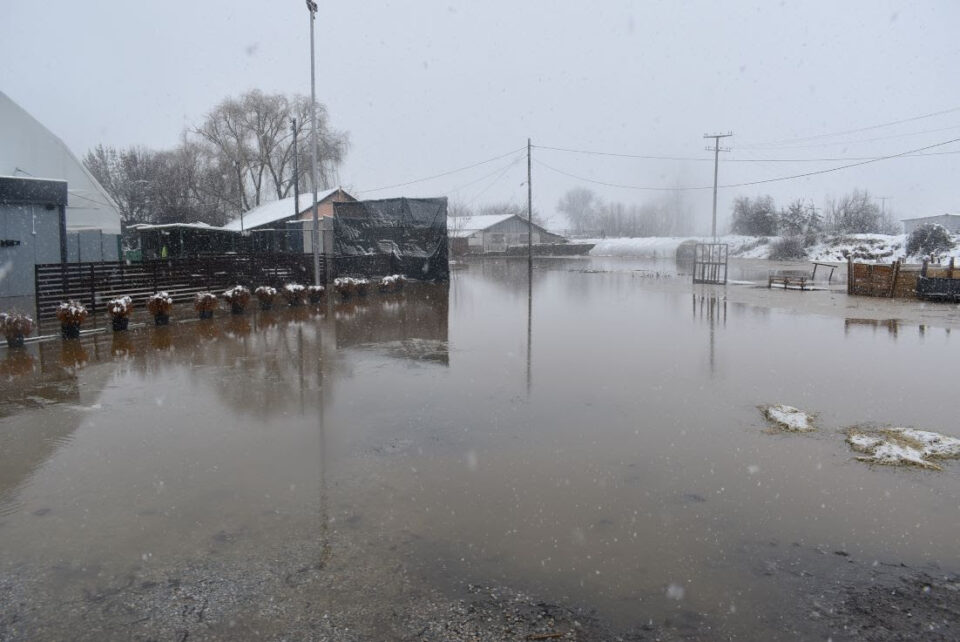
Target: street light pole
315, 232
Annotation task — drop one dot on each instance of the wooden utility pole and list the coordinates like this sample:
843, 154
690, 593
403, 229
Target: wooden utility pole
716, 149
529, 212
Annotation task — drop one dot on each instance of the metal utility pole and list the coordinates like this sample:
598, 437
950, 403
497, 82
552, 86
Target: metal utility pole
315, 232
236, 165
529, 213
716, 149
296, 171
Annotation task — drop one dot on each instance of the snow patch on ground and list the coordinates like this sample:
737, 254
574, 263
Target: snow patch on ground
665, 247
789, 418
831, 248
903, 446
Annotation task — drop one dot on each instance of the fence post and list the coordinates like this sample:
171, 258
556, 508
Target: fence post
849, 275
893, 281
93, 291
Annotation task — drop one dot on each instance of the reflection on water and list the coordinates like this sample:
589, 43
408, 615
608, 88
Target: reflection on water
637, 461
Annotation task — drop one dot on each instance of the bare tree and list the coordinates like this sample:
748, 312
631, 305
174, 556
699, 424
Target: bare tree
239, 157
858, 213
251, 136
581, 207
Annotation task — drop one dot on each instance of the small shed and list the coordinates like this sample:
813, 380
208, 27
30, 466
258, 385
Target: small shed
494, 233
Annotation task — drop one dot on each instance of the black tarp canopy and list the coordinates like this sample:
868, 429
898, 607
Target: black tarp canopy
409, 232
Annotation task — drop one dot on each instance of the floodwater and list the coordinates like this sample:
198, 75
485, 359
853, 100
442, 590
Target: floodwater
594, 441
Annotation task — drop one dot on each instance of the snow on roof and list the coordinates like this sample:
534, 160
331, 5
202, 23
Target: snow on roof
464, 226
920, 218
277, 210
194, 226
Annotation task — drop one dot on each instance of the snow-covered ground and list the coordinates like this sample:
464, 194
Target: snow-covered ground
663, 247
831, 248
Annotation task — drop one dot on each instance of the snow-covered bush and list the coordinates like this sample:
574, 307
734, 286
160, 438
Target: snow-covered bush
205, 302
71, 312
392, 283
930, 240
237, 296
265, 293
121, 307
347, 286
159, 304
294, 293
15, 325
315, 293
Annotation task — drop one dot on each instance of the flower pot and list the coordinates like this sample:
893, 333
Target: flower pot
120, 323
161, 319
15, 341
206, 314
70, 331
316, 298
236, 308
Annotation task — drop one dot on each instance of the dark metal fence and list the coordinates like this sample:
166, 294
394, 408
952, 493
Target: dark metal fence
93, 284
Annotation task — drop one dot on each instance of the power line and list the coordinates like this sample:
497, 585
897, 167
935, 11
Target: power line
442, 174
836, 169
494, 181
760, 182
861, 129
646, 157
704, 159
850, 142
488, 175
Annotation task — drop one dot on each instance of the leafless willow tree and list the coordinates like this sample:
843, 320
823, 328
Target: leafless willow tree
239, 157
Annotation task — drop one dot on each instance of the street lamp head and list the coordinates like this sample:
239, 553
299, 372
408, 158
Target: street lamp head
311, 6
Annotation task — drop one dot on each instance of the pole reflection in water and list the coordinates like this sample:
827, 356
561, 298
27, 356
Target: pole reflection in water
713, 308
529, 325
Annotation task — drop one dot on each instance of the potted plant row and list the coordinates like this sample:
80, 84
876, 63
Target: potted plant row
15, 327
71, 314
160, 305
315, 293
205, 303
347, 286
120, 309
265, 294
392, 283
238, 296
294, 293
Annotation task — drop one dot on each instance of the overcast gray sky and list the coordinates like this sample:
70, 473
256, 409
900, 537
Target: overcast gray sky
426, 87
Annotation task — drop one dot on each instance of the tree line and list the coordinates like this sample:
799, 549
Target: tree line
239, 156
669, 215
853, 213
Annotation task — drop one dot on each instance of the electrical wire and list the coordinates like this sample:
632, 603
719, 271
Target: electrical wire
860, 129
749, 183
705, 159
442, 174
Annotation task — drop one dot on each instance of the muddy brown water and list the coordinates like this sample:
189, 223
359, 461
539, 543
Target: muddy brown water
598, 443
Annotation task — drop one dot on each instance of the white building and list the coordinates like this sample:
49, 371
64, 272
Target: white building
30, 150
493, 233
949, 221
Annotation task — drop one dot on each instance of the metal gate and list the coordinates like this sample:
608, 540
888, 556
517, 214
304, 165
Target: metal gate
710, 263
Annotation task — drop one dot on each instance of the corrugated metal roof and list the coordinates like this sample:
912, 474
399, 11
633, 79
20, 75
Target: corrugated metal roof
463, 226
277, 210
